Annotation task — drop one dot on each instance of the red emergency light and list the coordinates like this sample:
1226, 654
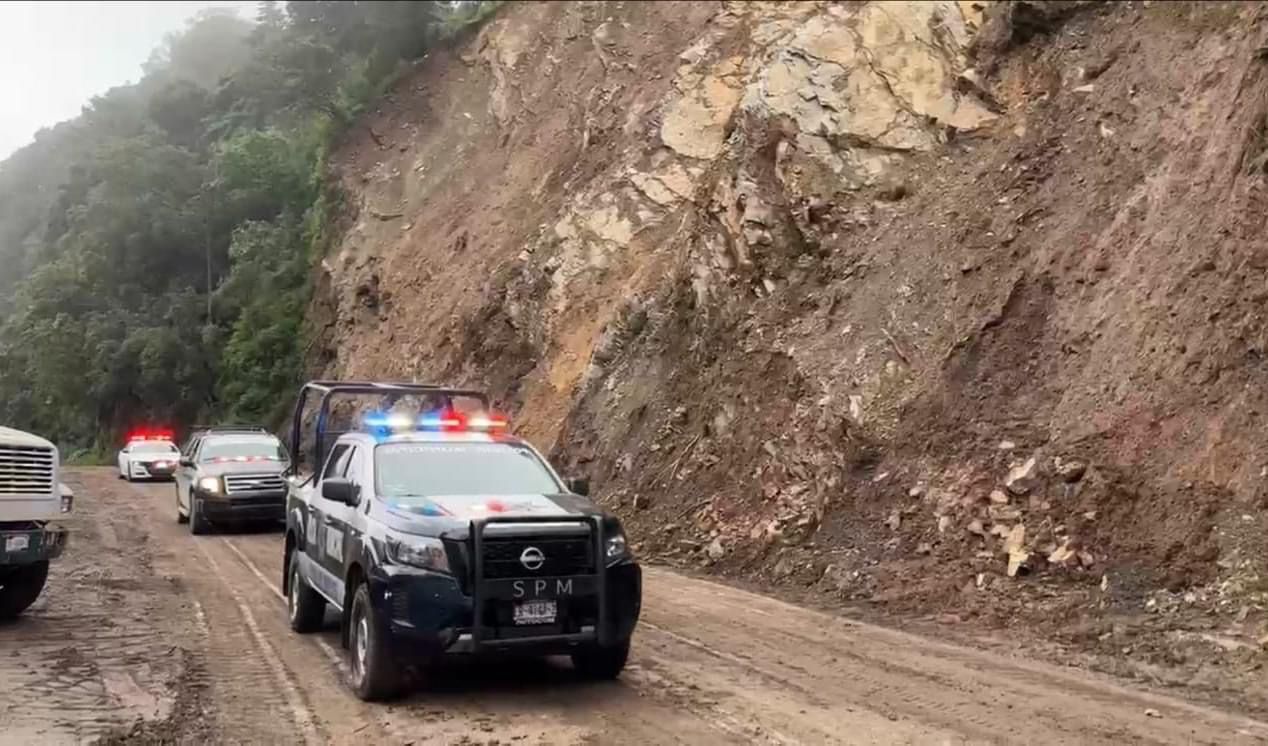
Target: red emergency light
147, 434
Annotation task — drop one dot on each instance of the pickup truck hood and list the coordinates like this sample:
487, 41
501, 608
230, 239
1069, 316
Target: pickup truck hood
423, 515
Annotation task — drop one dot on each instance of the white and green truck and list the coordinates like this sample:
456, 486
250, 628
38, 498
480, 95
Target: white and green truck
32, 502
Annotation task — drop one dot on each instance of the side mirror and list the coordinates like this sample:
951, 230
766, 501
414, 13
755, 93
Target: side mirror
186, 461
340, 490
578, 485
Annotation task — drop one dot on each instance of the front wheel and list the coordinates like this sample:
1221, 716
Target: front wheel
20, 586
375, 674
602, 662
198, 525
305, 607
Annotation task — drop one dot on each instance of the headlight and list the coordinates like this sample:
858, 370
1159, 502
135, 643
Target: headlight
418, 551
616, 548
68, 503
209, 484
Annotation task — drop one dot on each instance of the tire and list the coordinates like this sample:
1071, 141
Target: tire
198, 525
305, 608
20, 587
180, 517
375, 674
602, 663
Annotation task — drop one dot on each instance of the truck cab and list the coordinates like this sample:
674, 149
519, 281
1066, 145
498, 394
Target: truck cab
439, 533
32, 501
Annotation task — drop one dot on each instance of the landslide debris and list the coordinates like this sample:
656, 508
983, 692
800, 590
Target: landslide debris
952, 309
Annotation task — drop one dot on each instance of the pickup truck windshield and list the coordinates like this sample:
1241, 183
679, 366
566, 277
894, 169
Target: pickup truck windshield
433, 469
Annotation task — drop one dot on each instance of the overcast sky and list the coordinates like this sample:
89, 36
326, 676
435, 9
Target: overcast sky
55, 56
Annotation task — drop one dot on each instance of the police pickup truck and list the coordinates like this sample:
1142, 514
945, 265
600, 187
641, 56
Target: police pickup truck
432, 531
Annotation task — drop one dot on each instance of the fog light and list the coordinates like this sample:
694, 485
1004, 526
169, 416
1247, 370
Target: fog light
68, 502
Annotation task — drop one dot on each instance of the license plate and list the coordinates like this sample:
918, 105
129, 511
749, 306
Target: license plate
19, 543
535, 612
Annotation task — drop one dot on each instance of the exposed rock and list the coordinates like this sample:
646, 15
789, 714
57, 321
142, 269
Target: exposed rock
716, 551
1023, 478
1061, 555
1014, 546
1071, 470
999, 497
1004, 512
894, 520
924, 547
695, 124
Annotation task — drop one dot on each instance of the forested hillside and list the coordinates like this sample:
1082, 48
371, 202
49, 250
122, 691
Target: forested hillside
154, 251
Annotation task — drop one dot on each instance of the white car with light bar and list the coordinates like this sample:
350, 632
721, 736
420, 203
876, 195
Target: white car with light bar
32, 503
433, 531
149, 455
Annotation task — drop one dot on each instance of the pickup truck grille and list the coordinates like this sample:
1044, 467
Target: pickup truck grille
26, 470
572, 555
253, 483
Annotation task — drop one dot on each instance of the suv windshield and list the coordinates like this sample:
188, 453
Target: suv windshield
234, 448
433, 469
154, 446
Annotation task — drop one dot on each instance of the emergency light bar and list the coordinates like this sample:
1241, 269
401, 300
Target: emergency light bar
150, 435
383, 424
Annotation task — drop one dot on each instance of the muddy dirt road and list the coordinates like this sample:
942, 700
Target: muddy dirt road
148, 633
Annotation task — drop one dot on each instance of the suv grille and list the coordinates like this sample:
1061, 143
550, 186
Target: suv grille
564, 556
26, 469
253, 482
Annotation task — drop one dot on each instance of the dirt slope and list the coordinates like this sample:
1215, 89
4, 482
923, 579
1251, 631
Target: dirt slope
941, 309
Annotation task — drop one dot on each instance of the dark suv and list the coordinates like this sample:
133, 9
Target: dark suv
436, 532
230, 474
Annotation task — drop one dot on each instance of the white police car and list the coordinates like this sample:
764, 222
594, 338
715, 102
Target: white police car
148, 455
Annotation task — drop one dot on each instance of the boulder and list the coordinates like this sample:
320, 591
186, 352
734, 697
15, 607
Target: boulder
1023, 478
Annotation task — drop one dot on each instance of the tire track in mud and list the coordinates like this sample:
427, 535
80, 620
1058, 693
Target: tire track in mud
262, 685
88, 656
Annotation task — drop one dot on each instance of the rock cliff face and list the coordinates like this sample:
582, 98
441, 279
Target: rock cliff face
942, 306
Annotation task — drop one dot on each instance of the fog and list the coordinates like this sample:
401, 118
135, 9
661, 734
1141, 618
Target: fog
55, 56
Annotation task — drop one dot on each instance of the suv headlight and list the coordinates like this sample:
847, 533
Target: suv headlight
209, 484
418, 551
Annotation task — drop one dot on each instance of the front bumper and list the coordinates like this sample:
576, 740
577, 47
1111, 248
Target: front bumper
142, 470
429, 614
30, 545
263, 505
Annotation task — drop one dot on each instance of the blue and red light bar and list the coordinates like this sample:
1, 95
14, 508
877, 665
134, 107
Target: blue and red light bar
444, 421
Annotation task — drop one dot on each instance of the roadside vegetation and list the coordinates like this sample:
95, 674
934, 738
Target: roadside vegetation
155, 251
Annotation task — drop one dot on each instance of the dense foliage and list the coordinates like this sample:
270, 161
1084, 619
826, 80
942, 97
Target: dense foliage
154, 252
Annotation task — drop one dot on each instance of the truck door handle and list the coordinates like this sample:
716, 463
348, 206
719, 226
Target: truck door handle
329, 521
